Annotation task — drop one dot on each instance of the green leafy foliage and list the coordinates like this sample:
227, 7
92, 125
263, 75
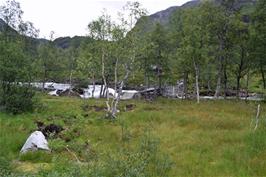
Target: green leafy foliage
15, 64
18, 99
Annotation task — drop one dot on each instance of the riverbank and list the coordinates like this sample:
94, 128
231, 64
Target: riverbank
98, 91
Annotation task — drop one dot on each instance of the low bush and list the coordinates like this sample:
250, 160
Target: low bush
18, 99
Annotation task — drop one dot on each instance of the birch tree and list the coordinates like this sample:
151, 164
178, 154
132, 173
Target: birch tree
125, 45
100, 30
193, 44
89, 63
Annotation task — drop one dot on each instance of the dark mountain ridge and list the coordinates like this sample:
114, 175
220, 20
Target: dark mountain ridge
61, 42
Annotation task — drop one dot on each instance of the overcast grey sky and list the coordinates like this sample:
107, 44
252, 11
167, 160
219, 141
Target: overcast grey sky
71, 17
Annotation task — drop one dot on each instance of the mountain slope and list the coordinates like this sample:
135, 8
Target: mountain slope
2, 25
61, 42
66, 42
163, 17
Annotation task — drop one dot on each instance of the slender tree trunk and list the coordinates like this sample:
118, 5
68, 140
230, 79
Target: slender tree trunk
263, 76
101, 92
114, 105
105, 82
121, 85
146, 77
120, 91
225, 80
209, 76
43, 84
70, 81
93, 82
44, 80
185, 85
247, 85
238, 86
220, 68
209, 85
106, 89
239, 73
160, 84
197, 80
219, 78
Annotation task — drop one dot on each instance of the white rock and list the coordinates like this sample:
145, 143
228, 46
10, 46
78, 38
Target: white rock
34, 142
128, 94
53, 93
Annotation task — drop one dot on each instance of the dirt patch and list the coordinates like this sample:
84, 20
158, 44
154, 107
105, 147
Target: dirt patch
99, 108
70, 134
85, 115
94, 108
50, 130
130, 107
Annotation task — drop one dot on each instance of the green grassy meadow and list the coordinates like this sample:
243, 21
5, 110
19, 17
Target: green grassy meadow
163, 138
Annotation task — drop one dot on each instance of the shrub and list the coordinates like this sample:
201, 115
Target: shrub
17, 99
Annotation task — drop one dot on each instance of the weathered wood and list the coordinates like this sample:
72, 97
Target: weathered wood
73, 154
257, 118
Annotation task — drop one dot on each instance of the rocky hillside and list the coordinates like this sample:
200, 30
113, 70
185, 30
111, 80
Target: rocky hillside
66, 42
2, 25
163, 17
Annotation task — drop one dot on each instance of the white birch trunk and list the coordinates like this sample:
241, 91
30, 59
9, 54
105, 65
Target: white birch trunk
197, 80
105, 83
218, 85
70, 81
93, 82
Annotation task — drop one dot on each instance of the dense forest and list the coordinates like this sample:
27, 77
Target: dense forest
214, 47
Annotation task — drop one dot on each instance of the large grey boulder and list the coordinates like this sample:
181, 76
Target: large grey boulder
35, 142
